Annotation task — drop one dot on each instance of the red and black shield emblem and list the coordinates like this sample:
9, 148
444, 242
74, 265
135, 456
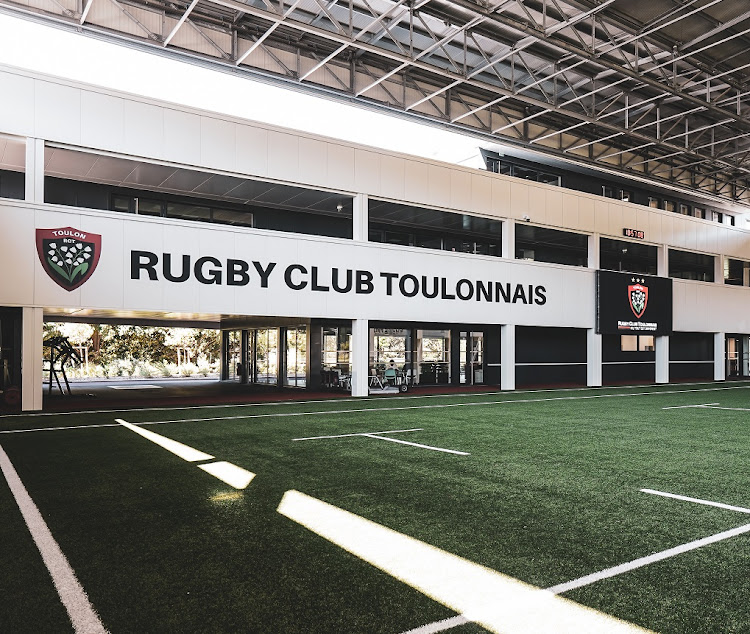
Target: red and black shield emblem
68, 255
638, 297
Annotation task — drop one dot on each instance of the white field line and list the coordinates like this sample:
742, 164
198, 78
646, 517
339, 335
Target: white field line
135, 387
27, 431
650, 559
177, 448
414, 444
342, 411
497, 602
440, 626
80, 611
360, 399
689, 406
720, 505
731, 409
438, 406
390, 431
229, 473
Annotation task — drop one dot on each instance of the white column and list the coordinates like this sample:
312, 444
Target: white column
719, 268
593, 358
662, 261
32, 335
720, 365
35, 170
509, 239
360, 218
661, 346
508, 357
593, 251
360, 353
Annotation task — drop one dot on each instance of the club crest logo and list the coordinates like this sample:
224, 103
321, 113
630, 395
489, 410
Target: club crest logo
68, 255
638, 296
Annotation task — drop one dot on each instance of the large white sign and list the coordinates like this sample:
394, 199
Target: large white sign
152, 264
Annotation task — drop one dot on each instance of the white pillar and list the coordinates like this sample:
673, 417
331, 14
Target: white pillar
662, 261
508, 357
360, 353
719, 268
593, 251
34, 170
360, 229
509, 239
720, 365
32, 336
593, 358
661, 346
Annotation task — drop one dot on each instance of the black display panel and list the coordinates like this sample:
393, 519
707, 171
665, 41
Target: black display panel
627, 303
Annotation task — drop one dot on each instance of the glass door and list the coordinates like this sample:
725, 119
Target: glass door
296, 356
266, 355
472, 358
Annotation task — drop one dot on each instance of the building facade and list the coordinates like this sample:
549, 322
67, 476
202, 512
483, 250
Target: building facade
322, 261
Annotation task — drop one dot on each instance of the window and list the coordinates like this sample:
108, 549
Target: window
691, 266
668, 205
147, 207
123, 203
734, 271
634, 257
637, 343
626, 195
699, 212
684, 209
551, 245
653, 202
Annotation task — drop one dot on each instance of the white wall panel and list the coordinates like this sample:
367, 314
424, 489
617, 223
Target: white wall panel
218, 144
17, 104
366, 171
182, 137
460, 193
481, 194
252, 150
587, 214
110, 270
655, 233
554, 205
142, 294
340, 167
57, 110
571, 218
392, 176
283, 155
501, 199
144, 129
519, 201
313, 166
537, 205
102, 123
601, 216
439, 192
17, 254
615, 219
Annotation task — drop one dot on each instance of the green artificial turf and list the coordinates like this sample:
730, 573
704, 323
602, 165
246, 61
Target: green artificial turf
550, 492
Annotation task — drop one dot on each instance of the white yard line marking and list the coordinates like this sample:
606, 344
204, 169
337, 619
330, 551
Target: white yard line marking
135, 387
440, 626
233, 475
689, 406
731, 409
497, 602
684, 498
374, 400
82, 614
391, 431
414, 444
650, 559
177, 448
26, 431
